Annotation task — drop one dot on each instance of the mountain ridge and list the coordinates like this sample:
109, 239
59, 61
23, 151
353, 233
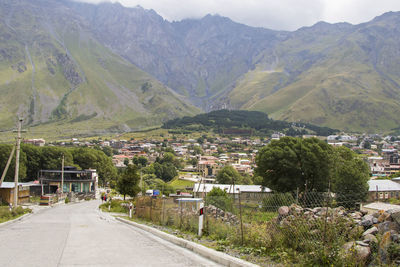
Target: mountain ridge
129, 68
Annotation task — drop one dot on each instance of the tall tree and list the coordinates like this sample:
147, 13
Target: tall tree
291, 163
128, 182
228, 175
351, 176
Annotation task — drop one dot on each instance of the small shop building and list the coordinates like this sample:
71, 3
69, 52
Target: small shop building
72, 179
7, 192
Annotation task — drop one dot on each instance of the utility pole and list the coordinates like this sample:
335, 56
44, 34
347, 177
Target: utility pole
17, 162
62, 176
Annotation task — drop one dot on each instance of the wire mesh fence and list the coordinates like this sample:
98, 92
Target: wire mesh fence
313, 223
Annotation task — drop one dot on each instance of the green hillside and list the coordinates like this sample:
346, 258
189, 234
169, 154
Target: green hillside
56, 76
340, 79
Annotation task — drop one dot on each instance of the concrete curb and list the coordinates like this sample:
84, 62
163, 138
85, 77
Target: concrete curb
208, 253
16, 219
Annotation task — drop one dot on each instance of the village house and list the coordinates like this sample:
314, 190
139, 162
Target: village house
383, 190
248, 193
78, 181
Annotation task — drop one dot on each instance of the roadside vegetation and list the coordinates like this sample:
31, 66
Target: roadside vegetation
6, 214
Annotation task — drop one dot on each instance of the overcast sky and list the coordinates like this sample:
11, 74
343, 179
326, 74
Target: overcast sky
272, 14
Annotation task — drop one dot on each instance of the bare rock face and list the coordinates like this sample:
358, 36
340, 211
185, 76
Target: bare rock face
69, 69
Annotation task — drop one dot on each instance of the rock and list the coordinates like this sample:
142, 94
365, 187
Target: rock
367, 220
388, 226
283, 211
361, 243
356, 215
316, 210
383, 246
364, 212
395, 238
348, 245
376, 214
362, 252
375, 220
383, 217
395, 214
373, 230
369, 238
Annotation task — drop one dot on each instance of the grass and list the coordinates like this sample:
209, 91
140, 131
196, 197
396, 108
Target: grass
115, 206
181, 184
7, 215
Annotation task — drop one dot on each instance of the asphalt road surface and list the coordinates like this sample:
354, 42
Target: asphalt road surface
81, 235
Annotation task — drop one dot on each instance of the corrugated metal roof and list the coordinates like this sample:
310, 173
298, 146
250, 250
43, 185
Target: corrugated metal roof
229, 189
383, 185
11, 184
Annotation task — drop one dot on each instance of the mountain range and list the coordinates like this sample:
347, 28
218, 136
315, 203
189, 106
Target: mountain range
107, 67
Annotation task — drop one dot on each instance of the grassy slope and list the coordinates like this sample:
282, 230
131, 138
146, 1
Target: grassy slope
341, 91
109, 98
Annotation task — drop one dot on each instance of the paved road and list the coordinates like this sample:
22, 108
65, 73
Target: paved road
80, 235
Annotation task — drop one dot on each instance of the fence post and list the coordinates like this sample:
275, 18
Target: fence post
180, 215
201, 216
162, 211
240, 213
151, 209
326, 213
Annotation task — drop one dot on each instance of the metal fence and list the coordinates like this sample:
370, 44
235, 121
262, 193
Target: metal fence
306, 223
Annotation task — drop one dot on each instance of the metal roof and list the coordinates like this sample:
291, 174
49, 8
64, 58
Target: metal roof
229, 188
383, 185
11, 184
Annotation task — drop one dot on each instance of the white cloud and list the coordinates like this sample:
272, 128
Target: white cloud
273, 14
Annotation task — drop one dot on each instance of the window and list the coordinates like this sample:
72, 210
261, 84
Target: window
380, 195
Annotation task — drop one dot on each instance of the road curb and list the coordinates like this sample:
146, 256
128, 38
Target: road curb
208, 253
16, 219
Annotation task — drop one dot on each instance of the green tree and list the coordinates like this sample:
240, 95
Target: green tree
128, 182
291, 163
351, 175
143, 161
228, 175
88, 158
219, 198
126, 161
5, 151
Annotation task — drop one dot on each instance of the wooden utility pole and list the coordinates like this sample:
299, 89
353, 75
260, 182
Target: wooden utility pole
8, 164
62, 176
17, 163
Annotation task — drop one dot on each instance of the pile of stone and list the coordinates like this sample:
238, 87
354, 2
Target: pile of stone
385, 224
222, 215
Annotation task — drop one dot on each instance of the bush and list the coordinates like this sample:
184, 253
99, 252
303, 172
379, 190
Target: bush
66, 200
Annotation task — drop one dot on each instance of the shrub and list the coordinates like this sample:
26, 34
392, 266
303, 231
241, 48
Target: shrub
66, 200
